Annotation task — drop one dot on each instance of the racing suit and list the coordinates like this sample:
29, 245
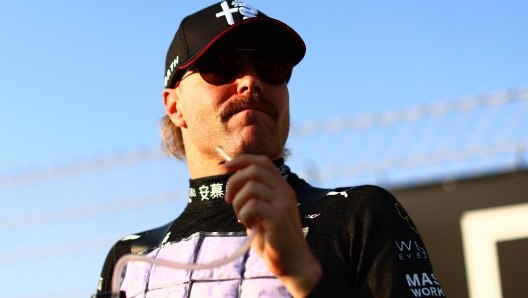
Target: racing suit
366, 243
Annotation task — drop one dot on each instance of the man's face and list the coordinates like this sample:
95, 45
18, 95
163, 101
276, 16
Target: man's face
244, 115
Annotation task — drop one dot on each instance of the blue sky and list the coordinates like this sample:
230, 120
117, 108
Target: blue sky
83, 79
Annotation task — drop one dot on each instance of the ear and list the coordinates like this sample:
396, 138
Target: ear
173, 107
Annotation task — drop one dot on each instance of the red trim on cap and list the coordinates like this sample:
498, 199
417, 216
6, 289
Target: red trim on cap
236, 25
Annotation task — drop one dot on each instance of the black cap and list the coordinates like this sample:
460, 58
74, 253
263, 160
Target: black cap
199, 31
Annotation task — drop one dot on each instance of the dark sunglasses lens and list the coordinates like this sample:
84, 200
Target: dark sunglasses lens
222, 66
219, 67
271, 69
274, 73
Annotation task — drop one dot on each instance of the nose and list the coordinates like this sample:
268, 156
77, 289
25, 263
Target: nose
248, 79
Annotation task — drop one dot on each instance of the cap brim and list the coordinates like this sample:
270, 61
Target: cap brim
275, 33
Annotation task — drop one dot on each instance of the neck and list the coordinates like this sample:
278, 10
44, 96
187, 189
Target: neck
205, 167
210, 163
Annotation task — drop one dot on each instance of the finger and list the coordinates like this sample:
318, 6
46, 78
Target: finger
252, 190
256, 228
245, 160
274, 223
253, 211
252, 173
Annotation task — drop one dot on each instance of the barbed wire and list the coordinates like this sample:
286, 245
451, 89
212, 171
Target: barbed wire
80, 168
105, 208
422, 159
411, 113
376, 167
303, 130
51, 251
92, 210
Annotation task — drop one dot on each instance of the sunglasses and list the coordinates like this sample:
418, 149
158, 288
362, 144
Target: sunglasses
221, 66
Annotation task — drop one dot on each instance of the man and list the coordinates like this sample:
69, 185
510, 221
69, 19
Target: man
226, 85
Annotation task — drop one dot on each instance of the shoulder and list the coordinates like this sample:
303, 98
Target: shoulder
365, 196
369, 204
122, 247
133, 243
138, 242
362, 192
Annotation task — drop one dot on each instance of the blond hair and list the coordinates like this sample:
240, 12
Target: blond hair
171, 139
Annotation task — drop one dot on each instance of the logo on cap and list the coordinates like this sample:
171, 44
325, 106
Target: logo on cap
172, 67
243, 8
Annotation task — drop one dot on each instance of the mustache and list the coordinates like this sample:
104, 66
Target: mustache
245, 102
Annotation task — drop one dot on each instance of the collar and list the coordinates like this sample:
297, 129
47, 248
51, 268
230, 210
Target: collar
207, 190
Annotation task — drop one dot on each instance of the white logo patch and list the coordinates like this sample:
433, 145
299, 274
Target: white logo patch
283, 171
333, 193
192, 194
243, 8
130, 237
204, 192
217, 191
166, 238
172, 66
312, 216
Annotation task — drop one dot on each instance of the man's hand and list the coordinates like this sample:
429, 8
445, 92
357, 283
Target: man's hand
261, 196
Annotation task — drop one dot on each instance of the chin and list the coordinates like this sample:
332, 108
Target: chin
267, 146
259, 140
259, 150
